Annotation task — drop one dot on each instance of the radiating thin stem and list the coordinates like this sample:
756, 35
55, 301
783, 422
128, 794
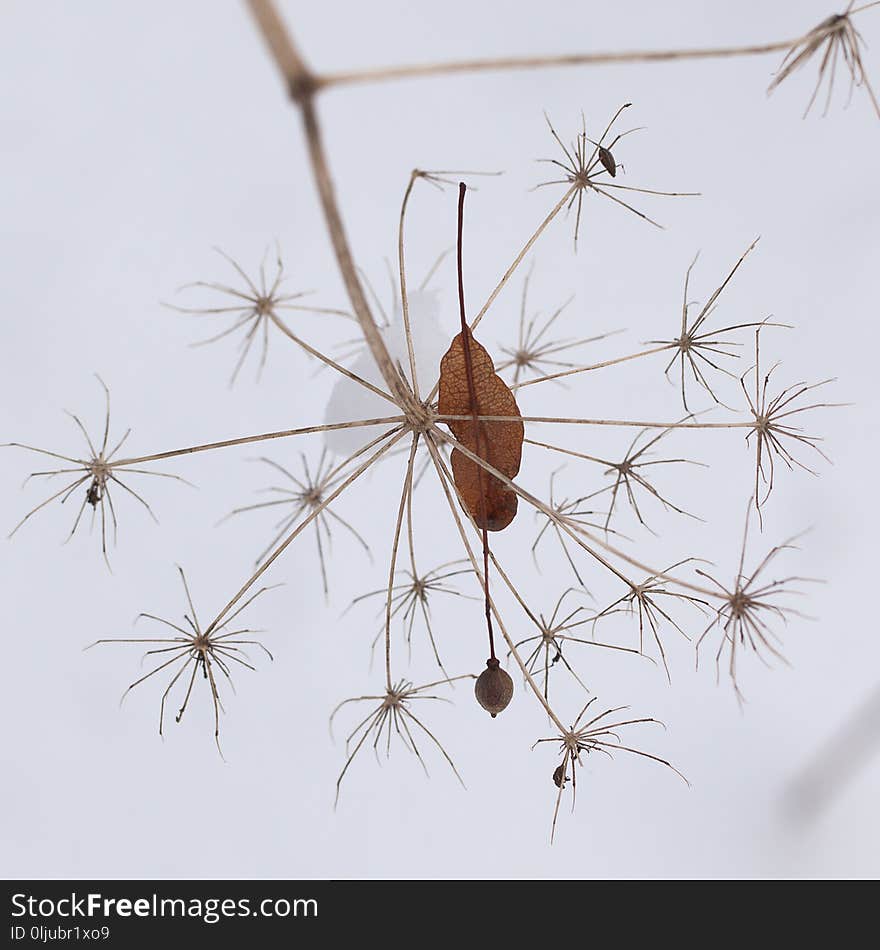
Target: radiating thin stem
425, 70
628, 423
588, 369
245, 440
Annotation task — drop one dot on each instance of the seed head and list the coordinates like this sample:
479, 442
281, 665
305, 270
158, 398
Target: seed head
494, 688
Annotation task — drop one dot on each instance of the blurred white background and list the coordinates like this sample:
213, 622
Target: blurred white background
137, 136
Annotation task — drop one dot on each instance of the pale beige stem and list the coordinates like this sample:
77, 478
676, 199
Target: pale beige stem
628, 423
588, 369
301, 85
424, 70
404, 299
280, 44
264, 437
395, 544
326, 360
519, 257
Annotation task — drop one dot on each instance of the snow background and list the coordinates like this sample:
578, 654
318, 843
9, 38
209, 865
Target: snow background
137, 136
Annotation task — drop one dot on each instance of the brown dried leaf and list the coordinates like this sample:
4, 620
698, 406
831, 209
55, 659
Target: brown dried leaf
499, 443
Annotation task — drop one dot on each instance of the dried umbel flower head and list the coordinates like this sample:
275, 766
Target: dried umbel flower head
411, 596
300, 496
208, 652
583, 169
702, 350
840, 40
750, 606
252, 308
494, 688
535, 353
99, 472
773, 424
393, 716
645, 599
595, 735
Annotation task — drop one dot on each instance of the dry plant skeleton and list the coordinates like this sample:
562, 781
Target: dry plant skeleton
473, 431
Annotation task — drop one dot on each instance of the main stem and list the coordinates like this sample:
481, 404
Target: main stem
301, 85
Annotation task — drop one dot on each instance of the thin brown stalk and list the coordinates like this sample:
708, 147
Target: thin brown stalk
506, 63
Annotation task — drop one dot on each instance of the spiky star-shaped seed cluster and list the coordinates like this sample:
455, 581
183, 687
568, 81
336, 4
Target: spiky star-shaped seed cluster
841, 42
411, 598
565, 513
587, 167
748, 608
554, 634
772, 428
196, 650
305, 495
700, 349
99, 472
644, 599
535, 353
255, 307
628, 475
593, 736
394, 717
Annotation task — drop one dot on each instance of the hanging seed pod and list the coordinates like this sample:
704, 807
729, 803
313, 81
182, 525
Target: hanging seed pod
494, 688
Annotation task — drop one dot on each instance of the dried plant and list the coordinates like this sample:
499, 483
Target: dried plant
465, 428
568, 511
630, 473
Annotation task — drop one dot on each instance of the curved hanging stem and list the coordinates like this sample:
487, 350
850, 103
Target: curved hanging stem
479, 433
